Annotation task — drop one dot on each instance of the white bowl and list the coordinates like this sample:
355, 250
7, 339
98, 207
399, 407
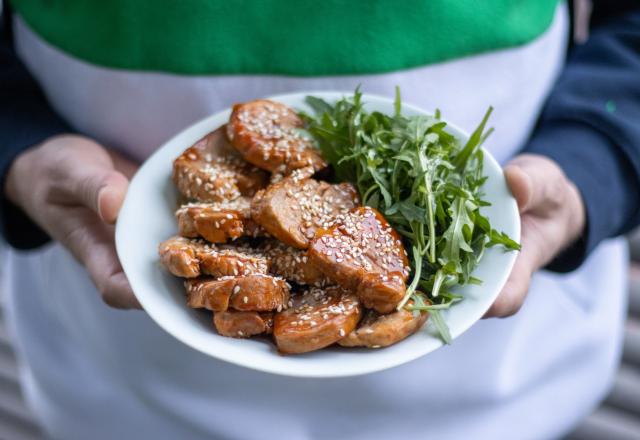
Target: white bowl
147, 218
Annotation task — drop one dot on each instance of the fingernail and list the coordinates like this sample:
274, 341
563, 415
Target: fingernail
106, 203
99, 202
522, 190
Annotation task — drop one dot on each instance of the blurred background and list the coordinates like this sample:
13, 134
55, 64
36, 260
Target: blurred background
618, 418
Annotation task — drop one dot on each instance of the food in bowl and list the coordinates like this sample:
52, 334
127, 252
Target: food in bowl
297, 227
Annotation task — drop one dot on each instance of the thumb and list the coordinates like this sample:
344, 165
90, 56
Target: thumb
103, 191
91, 178
520, 185
535, 181
110, 196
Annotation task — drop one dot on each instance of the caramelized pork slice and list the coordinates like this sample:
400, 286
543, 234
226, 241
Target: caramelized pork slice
316, 319
245, 293
292, 264
180, 256
212, 171
190, 258
232, 260
268, 134
235, 324
361, 252
375, 330
293, 210
218, 222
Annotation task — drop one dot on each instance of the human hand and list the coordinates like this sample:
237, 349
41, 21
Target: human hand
73, 188
552, 218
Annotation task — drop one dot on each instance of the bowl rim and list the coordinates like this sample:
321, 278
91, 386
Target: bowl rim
205, 125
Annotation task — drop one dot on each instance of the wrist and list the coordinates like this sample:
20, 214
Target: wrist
18, 229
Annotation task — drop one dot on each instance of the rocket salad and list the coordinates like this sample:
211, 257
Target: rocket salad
424, 181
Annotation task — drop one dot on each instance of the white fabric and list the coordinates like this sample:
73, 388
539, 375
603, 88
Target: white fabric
98, 373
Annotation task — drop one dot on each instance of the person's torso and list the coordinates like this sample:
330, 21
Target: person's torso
132, 74
120, 372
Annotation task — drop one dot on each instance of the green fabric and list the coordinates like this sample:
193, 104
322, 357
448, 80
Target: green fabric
291, 37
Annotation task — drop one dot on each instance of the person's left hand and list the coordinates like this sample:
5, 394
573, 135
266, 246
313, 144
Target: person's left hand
552, 217
73, 188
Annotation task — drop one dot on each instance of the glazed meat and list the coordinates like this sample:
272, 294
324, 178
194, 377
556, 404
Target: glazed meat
218, 222
268, 135
212, 171
317, 318
375, 330
235, 324
180, 256
253, 218
292, 210
361, 252
190, 258
245, 293
292, 264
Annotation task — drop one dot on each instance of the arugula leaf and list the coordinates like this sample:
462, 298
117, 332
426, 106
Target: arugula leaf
427, 185
318, 105
454, 237
475, 140
410, 211
500, 238
440, 325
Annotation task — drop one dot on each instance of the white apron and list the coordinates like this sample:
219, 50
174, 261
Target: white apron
93, 372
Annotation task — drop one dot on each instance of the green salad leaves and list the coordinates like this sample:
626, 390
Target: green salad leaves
426, 184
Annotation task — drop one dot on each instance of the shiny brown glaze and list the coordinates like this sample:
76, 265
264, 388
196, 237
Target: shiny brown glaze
218, 222
316, 319
212, 171
236, 324
293, 210
292, 264
267, 134
255, 292
190, 258
361, 252
375, 330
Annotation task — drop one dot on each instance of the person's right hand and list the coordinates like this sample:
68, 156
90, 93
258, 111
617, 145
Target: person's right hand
552, 215
73, 188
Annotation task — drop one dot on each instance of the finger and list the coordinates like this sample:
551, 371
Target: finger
92, 243
110, 196
98, 187
536, 182
529, 259
513, 293
118, 294
84, 174
111, 282
520, 185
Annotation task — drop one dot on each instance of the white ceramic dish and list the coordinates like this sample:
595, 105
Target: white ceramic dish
147, 218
